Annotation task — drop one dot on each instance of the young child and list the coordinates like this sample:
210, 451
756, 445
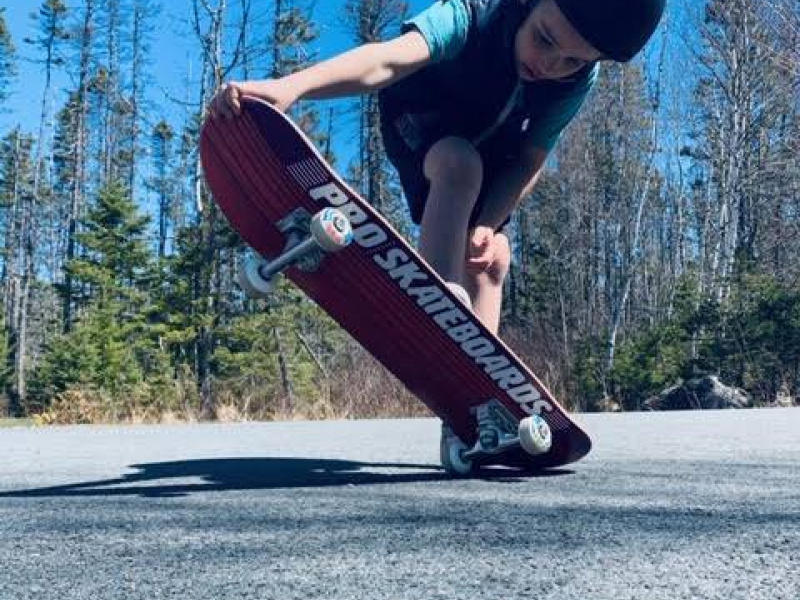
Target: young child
473, 96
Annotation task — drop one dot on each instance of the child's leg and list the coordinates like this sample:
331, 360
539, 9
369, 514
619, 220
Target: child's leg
486, 288
455, 172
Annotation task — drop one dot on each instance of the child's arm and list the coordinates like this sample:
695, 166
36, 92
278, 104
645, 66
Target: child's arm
364, 69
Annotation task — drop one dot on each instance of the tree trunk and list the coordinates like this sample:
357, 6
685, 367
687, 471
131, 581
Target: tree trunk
286, 378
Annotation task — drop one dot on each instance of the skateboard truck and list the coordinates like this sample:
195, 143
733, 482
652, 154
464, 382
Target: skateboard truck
308, 239
498, 432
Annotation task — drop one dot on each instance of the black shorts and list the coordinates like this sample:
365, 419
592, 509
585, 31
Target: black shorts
407, 155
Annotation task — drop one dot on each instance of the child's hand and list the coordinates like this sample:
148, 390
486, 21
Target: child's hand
227, 101
481, 249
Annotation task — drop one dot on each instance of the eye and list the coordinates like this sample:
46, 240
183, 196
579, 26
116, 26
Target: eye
544, 41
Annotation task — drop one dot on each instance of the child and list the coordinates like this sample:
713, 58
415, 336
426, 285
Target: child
473, 96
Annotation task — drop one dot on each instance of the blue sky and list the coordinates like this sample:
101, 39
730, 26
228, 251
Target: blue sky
174, 54
175, 57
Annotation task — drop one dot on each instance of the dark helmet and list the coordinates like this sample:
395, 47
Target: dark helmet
617, 28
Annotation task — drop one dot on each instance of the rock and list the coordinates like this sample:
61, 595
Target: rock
783, 398
608, 404
701, 393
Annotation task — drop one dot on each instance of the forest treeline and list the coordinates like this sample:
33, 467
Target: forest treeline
661, 244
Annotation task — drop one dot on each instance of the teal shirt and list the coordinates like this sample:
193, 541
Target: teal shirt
445, 26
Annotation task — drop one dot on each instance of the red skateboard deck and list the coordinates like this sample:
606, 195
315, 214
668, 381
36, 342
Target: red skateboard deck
260, 167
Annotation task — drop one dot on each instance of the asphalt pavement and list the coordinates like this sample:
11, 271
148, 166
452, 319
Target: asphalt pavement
687, 505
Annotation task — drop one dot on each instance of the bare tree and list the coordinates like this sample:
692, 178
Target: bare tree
84, 37
746, 106
162, 138
209, 22
144, 12
18, 190
371, 21
51, 35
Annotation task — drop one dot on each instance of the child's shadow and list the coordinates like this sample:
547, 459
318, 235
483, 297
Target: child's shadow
160, 480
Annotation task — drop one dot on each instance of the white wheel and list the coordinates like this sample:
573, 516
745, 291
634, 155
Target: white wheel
452, 455
535, 436
250, 279
331, 230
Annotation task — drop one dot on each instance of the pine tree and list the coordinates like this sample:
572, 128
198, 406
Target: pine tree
7, 58
114, 345
116, 260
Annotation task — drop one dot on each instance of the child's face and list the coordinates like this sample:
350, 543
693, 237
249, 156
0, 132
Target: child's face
547, 46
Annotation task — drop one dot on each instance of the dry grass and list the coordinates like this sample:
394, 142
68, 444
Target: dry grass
367, 390
357, 388
537, 350
15, 423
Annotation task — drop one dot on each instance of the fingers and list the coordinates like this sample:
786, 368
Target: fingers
233, 98
480, 246
480, 259
226, 102
481, 250
480, 263
479, 241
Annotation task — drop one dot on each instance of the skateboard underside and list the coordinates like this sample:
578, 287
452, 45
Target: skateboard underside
261, 169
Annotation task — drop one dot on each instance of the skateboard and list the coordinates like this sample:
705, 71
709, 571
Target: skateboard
301, 219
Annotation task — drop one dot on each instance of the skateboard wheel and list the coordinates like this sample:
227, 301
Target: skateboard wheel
251, 280
535, 436
452, 455
331, 230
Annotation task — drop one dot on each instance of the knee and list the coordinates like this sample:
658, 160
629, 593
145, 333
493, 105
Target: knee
454, 162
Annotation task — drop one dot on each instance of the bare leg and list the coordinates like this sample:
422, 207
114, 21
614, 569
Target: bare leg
455, 172
486, 288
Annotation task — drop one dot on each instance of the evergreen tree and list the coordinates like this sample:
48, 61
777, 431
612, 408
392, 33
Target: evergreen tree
8, 67
115, 343
116, 259
278, 353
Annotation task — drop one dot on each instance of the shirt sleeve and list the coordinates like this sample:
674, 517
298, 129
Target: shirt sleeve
444, 25
545, 130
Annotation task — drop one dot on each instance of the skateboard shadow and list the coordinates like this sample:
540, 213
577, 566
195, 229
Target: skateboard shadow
168, 479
